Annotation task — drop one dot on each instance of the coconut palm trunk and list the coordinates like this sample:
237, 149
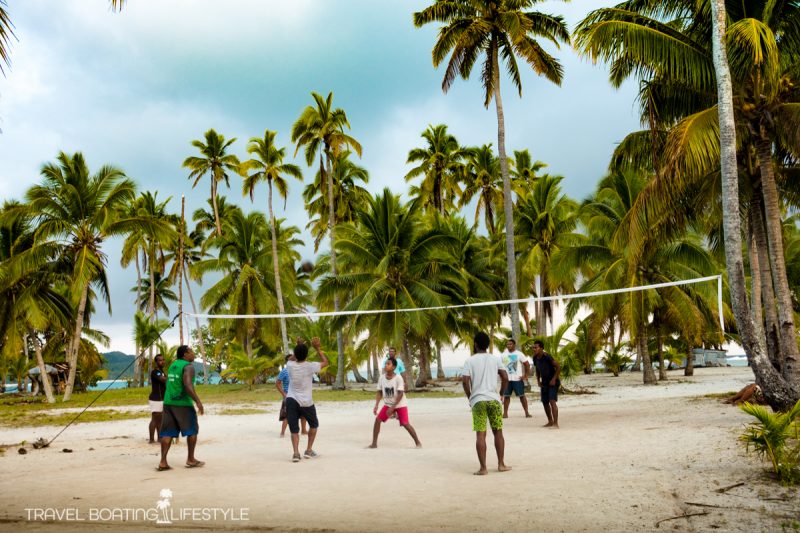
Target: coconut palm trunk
408, 375
648, 375
276, 269
217, 223
439, 369
508, 206
787, 337
48, 387
180, 270
340, 361
151, 310
766, 292
199, 331
72, 355
778, 392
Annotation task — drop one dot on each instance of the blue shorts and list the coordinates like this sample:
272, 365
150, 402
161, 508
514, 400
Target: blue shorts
549, 393
518, 387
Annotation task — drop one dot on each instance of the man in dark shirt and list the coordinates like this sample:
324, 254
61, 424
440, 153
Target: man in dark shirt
158, 383
547, 373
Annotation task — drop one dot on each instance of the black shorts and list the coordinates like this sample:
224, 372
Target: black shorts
179, 419
517, 387
294, 413
549, 393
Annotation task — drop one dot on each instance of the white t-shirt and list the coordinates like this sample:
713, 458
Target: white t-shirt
301, 379
514, 364
482, 370
390, 387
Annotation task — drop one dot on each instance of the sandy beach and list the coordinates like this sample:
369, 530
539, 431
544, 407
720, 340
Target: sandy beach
624, 459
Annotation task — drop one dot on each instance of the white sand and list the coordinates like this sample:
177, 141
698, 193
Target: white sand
624, 459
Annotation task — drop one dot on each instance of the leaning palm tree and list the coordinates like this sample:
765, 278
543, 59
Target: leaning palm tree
75, 212
320, 129
498, 29
267, 165
215, 161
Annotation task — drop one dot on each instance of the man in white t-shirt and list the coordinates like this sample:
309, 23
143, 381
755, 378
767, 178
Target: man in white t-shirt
518, 367
392, 389
479, 378
299, 402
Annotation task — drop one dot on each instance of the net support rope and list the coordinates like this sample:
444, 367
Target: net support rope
532, 299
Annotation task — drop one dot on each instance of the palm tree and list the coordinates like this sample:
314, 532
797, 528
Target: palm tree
498, 29
244, 259
267, 165
348, 195
439, 164
481, 177
214, 161
546, 221
74, 212
390, 261
321, 129
778, 392
524, 171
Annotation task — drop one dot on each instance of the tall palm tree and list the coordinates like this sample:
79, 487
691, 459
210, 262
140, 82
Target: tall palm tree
267, 165
439, 164
779, 393
320, 129
75, 212
525, 171
214, 161
482, 179
498, 29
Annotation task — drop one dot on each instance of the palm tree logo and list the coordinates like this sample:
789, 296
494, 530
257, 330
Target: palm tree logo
163, 506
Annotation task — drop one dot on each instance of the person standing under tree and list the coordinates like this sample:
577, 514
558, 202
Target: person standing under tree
299, 402
158, 384
518, 368
479, 379
179, 413
548, 372
392, 389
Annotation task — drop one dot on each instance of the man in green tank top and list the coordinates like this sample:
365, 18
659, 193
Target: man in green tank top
179, 415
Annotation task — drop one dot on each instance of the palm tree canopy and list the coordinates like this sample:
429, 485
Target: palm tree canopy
267, 165
499, 29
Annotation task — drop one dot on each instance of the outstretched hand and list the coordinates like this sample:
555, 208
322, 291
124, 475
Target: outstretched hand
315, 343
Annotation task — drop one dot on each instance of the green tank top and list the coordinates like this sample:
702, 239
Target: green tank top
176, 393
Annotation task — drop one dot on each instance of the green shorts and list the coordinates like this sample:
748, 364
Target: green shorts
491, 410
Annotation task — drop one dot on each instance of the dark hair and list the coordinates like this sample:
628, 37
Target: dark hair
158, 355
512, 340
182, 350
287, 356
392, 348
539, 343
301, 352
481, 341
393, 361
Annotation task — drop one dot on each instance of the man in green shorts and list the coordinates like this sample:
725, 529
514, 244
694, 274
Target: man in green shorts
479, 378
179, 415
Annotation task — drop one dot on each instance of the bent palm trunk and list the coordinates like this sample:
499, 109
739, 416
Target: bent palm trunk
72, 356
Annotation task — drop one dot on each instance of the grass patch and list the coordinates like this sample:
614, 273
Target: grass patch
21, 411
32, 418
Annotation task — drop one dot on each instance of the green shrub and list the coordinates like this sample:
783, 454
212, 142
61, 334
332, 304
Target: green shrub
775, 436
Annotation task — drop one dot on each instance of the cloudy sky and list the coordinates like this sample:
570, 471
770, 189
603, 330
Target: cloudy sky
134, 88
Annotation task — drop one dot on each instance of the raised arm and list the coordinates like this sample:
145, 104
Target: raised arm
318, 347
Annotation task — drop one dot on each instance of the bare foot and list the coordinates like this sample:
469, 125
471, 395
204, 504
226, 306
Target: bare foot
419, 445
505, 415
372, 446
481, 472
554, 426
282, 435
547, 425
503, 468
528, 416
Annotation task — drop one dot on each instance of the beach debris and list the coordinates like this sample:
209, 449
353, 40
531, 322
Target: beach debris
23, 451
66, 450
723, 490
40, 443
684, 515
91, 449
